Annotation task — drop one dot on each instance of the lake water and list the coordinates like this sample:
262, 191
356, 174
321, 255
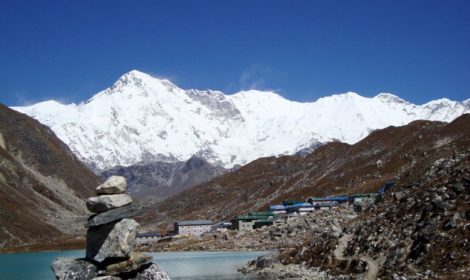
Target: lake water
179, 265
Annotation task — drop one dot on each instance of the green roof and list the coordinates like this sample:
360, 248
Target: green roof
266, 213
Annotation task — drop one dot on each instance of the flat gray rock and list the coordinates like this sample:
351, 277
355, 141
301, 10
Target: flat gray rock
127, 211
113, 185
112, 240
66, 268
98, 204
135, 261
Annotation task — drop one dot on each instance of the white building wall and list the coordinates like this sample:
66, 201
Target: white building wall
194, 229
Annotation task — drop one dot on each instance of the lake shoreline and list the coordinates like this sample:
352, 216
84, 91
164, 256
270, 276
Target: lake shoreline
179, 265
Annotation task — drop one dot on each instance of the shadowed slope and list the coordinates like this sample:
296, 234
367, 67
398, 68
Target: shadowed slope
42, 184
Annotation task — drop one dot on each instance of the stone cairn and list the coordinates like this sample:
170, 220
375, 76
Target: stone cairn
110, 238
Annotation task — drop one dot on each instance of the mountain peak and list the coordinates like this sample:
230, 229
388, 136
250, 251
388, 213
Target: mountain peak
351, 94
389, 97
134, 76
137, 81
136, 72
440, 102
347, 95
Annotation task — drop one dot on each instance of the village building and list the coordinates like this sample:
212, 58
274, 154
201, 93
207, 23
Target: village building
147, 238
278, 209
337, 199
221, 226
363, 197
261, 214
243, 223
249, 222
194, 228
324, 205
301, 208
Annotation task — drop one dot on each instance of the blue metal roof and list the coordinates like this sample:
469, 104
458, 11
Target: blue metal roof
304, 204
325, 204
331, 198
298, 205
277, 207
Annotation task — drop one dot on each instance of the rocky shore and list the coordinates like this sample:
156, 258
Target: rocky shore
282, 235
110, 240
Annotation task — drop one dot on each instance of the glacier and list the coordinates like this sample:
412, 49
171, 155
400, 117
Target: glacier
141, 119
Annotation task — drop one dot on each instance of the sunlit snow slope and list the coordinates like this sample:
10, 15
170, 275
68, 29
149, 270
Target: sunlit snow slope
141, 118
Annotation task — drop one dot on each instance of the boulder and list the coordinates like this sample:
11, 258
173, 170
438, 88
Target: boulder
102, 203
152, 272
113, 185
112, 240
134, 262
112, 215
107, 278
453, 221
267, 260
66, 268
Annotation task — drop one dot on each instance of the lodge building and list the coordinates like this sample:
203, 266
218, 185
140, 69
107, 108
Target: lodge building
194, 228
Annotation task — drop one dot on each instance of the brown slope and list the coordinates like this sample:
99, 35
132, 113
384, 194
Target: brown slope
334, 168
42, 184
420, 227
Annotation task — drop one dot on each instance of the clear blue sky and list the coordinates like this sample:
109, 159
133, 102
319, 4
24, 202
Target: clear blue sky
69, 50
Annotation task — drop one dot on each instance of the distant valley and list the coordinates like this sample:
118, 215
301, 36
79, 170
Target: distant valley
159, 180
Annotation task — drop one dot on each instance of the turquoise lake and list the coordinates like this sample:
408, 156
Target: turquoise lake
179, 265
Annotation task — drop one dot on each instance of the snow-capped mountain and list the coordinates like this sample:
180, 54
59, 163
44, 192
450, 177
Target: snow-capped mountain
142, 119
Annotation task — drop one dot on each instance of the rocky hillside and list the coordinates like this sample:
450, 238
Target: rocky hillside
159, 180
419, 231
42, 184
335, 168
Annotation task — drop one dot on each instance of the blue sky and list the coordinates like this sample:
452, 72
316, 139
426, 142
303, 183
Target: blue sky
69, 50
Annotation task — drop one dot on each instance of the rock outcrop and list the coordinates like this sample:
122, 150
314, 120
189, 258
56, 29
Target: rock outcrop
418, 230
110, 238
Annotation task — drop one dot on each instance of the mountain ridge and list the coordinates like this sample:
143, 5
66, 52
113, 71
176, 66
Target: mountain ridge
144, 119
394, 153
43, 186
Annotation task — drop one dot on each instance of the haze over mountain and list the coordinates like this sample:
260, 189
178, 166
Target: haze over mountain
142, 119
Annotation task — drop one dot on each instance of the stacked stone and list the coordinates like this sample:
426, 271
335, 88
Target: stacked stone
110, 238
